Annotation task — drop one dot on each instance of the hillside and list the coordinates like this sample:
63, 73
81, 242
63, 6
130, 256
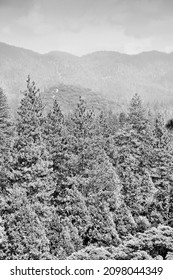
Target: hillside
122, 75
114, 75
68, 96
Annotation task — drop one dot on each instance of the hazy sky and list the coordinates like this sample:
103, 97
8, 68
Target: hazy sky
82, 26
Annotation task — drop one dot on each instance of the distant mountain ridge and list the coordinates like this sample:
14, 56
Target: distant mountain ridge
114, 75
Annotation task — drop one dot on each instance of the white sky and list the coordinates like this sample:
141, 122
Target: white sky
83, 26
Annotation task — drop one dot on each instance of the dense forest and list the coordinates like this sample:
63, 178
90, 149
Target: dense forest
84, 185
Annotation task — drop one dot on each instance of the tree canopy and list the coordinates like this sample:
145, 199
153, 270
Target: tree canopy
87, 185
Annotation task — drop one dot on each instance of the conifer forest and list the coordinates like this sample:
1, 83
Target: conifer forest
87, 185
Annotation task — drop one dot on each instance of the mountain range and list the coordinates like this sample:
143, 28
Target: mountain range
105, 76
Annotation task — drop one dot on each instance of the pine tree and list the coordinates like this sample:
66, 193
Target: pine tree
70, 217
56, 142
103, 199
133, 160
154, 243
136, 116
30, 157
96, 177
81, 130
106, 127
54, 123
3, 123
5, 143
69, 221
25, 235
161, 172
5, 140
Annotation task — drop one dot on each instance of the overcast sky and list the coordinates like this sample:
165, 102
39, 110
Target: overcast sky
83, 26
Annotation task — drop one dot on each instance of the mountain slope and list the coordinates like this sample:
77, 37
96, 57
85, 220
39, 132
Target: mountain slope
68, 96
116, 76
122, 75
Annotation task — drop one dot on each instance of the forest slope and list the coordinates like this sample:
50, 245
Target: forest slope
115, 75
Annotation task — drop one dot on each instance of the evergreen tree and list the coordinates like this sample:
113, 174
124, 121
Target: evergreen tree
103, 199
161, 172
53, 127
154, 243
96, 177
136, 116
25, 234
56, 142
69, 222
3, 124
30, 158
133, 160
70, 213
5, 140
106, 128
